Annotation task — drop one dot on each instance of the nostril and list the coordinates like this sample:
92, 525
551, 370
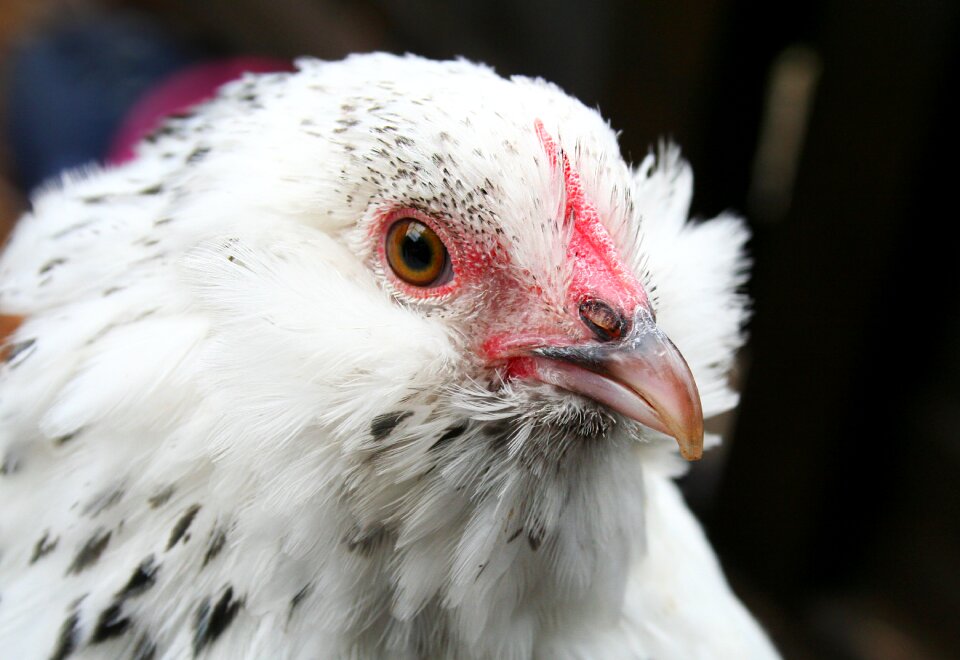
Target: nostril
602, 319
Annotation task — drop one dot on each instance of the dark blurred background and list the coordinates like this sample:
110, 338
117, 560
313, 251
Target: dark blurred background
834, 502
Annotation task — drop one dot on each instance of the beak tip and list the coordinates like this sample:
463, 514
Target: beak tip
691, 453
691, 445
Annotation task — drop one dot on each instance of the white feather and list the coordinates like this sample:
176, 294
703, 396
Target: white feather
217, 377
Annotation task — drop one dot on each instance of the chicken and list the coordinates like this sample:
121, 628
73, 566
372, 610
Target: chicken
381, 358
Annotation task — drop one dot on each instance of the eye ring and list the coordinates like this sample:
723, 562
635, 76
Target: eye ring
416, 254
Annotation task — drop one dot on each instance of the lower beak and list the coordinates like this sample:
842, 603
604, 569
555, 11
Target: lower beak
643, 376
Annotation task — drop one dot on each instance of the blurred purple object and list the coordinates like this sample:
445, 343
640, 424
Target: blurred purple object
178, 93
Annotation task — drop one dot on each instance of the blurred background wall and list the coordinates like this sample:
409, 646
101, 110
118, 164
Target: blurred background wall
830, 124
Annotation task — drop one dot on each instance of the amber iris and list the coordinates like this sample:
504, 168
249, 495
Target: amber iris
416, 254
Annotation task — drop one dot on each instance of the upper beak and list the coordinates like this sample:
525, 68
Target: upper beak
642, 376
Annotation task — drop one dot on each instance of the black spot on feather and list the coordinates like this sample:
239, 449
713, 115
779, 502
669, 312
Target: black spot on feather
499, 432
152, 190
513, 537
145, 649
69, 632
50, 265
298, 598
90, 552
452, 432
365, 541
383, 425
110, 624
182, 525
144, 577
64, 439
10, 465
210, 622
535, 537
59, 441
44, 547
198, 154
18, 348
218, 538
76, 226
102, 502
166, 129
161, 497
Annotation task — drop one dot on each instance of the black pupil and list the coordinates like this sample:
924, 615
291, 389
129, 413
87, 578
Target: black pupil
416, 251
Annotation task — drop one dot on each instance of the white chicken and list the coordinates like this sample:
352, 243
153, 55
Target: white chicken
367, 360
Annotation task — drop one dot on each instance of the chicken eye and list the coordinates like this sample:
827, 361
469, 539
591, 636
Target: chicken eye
416, 254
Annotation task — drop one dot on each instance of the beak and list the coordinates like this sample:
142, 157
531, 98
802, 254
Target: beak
642, 376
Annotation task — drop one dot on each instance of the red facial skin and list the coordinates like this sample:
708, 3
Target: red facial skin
643, 377
598, 272
596, 266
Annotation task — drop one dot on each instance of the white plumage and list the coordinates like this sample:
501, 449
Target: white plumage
228, 432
